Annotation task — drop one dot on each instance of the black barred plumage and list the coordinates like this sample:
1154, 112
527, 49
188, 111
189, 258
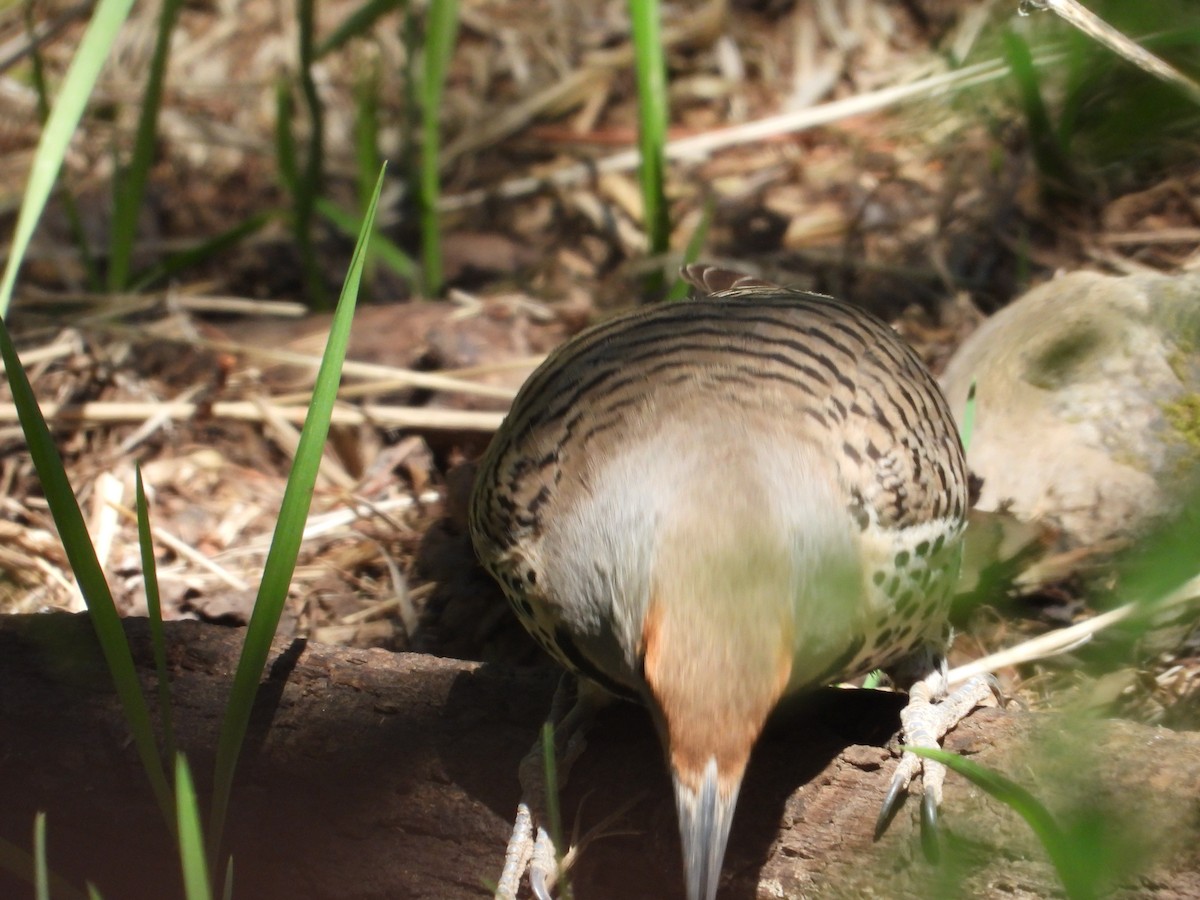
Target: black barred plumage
713, 504
841, 362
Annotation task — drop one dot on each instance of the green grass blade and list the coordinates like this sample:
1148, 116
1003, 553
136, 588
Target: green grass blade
358, 23
1068, 861
285, 545
86, 568
205, 250
158, 640
1164, 558
651, 71
440, 35
679, 287
311, 183
129, 183
21, 863
387, 251
41, 872
553, 810
366, 148
191, 841
56, 135
286, 161
94, 893
70, 207
968, 420
1053, 160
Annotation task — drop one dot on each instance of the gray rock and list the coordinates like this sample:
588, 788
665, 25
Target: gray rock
1087, 402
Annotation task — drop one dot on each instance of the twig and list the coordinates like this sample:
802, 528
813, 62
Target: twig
1096, 28
98, 413
1066, 639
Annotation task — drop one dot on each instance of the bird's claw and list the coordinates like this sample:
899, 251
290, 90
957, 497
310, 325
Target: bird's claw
531, 848
543, 866
924, 722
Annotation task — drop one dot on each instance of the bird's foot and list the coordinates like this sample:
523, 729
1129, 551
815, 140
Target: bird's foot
532, 848
924, 721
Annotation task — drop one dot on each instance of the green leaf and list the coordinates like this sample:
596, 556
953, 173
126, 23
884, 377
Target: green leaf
158, 640
285, 545
129, 184
357, 24
968, 420
440, 35
191, 841
41, 875
392, 256
651, 71
56, 134
1069, 862
86, 567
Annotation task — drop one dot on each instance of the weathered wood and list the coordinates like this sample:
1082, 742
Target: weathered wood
371, 775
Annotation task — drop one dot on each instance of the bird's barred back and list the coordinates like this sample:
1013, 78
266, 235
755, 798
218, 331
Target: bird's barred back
841, 375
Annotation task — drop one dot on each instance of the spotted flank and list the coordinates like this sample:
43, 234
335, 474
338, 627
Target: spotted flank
909, 585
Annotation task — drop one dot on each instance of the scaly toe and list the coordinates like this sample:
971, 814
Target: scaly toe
543, 867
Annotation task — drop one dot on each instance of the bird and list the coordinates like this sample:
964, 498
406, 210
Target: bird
713, 505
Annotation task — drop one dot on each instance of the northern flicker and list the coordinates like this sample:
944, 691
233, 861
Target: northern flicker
712, 505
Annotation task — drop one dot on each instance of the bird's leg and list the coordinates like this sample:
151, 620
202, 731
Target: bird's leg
930, 713
531, 846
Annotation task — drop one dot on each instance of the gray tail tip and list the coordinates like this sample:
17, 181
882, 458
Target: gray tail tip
705, 814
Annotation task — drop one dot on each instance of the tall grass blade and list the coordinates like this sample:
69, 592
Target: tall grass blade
553, 810
204, 250
651, 71
56, 134
366, 149
158, 640
679, 287
967, 430
441, 33
191, 841
70, 207
387, 251
21, 864
129, 183
358, 23
1053, 160
310, 185
1070, 864
41, 873
285, 545
286, 161
86, 567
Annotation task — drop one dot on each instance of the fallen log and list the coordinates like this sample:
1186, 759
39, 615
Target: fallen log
369, 774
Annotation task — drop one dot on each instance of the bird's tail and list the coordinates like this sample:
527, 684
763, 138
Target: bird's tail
705, 813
